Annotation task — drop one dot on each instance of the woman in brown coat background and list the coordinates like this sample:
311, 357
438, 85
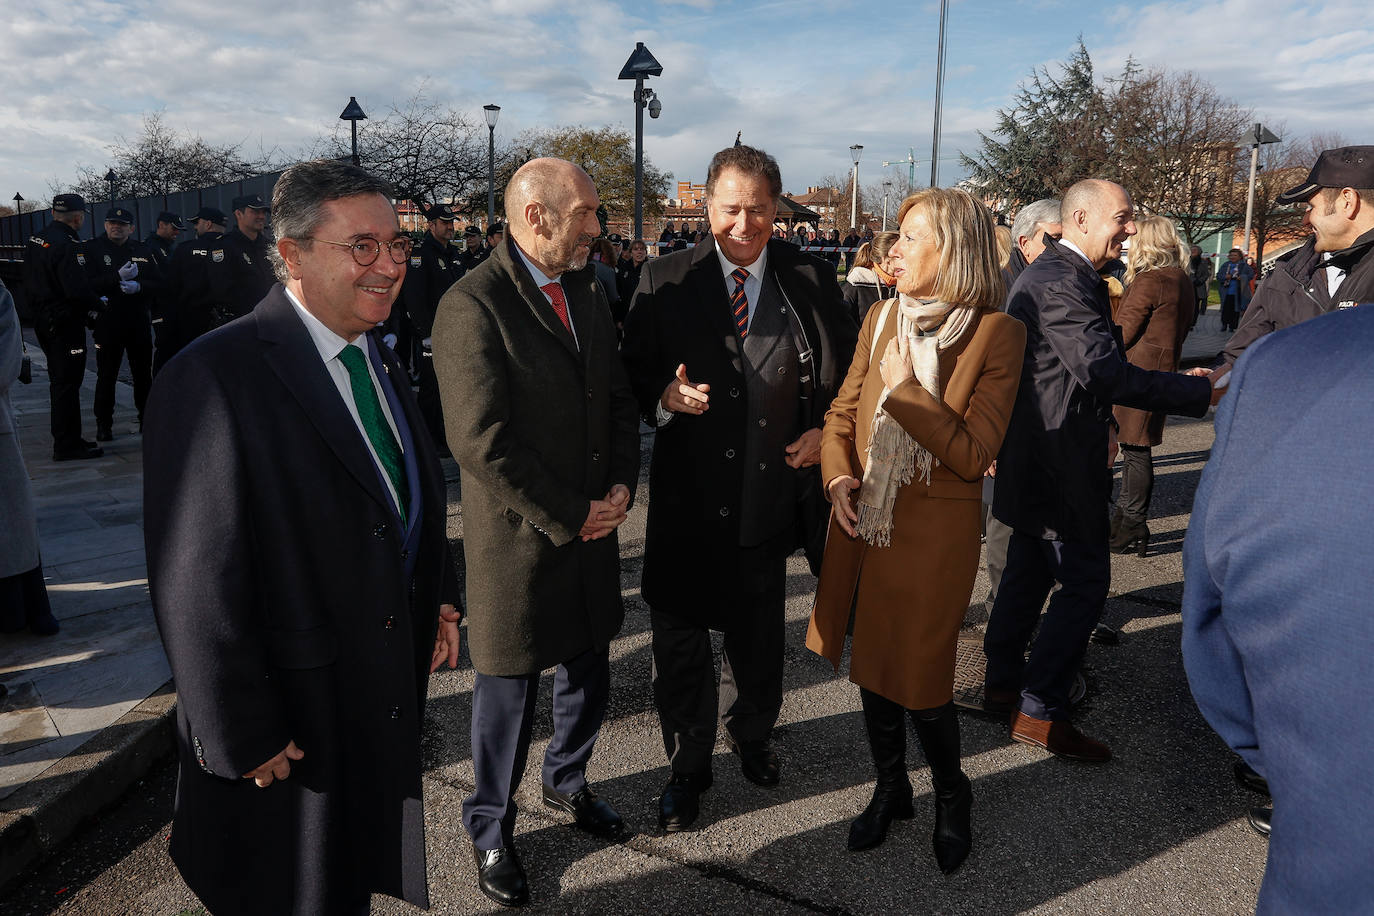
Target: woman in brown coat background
905, 483
1154, 315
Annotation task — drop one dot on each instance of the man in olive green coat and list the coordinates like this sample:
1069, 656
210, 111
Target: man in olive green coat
540, 418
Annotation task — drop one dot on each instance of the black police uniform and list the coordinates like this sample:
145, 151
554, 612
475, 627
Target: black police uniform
124, 324
164, 301
433, 269
471, 257
200, 283
61, 299
249, 274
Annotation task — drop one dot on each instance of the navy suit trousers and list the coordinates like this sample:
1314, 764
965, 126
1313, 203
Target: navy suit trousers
502, 717
1084, 574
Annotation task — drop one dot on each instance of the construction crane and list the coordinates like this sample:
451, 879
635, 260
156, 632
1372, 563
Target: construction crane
910, 160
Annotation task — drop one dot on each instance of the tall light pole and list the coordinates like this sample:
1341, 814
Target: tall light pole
939, 93
353, 113
111, 177
1257, 137
887, 189
910, 160
854, 152
640, 66
19, 208
493, 112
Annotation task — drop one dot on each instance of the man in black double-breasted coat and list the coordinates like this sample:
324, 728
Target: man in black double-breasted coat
1053, 478
735, 349
295, 521
541, 420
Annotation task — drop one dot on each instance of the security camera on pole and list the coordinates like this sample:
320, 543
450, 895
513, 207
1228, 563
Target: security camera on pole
641, 65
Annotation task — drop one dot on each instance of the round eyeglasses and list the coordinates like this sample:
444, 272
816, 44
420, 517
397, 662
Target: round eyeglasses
365, 249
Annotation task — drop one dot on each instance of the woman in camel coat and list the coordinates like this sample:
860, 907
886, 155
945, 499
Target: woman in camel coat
1155, 315
902, 551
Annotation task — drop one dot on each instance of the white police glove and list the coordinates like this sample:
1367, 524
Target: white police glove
389, 340
128, 271
128, 287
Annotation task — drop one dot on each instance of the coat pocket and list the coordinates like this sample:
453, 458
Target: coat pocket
298, 650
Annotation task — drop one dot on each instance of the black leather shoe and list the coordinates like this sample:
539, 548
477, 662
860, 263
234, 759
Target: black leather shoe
500, 876
79, 453
104, 434
889, 803
1105, 636
590, 811
1258, 818
757, 761
679, 805
1249, 779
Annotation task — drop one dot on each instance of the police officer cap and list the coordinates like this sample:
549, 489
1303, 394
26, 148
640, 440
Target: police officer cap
119, 215
68, 203
495, 228
440, 211
473, 231
210, 213
1343, 167
167, 216
247, 201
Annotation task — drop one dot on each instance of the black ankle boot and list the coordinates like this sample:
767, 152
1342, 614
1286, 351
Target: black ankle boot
1131, 536
886, 729
938, 732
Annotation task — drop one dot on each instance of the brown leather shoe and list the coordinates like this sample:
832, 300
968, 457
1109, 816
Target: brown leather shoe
1060, 738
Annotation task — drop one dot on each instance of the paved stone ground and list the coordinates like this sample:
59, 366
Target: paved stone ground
1159, 829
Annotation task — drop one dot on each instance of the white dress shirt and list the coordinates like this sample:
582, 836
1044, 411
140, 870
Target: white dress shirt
330, 345
541, 281
1079, 251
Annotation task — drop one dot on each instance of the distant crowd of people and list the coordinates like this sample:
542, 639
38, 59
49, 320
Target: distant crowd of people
966, 385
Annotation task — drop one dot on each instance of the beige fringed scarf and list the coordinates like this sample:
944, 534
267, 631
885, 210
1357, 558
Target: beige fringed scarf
893, 456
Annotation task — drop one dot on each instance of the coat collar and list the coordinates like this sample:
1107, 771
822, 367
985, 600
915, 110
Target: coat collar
508, 262
296, 361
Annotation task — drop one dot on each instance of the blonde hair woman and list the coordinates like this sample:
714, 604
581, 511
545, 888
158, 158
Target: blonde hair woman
869, 280
919, 418
1155, 315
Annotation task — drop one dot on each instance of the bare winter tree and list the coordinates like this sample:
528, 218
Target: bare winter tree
607, 154
1175, 140
427, 152
160, 160
1281, 166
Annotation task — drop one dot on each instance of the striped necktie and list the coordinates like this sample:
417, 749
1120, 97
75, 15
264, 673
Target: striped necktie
739, 302
374, 422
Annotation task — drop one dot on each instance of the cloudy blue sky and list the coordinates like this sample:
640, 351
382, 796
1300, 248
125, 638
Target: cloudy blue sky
802, 80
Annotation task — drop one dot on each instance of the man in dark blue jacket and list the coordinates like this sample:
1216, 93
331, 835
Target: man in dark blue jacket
1277, 634
1053, 478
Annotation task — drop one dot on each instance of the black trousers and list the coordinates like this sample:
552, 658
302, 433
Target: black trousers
427, 399
1230, 311
502, 716
1033, 566
65, 348
1137, 483
127, 331
750, 694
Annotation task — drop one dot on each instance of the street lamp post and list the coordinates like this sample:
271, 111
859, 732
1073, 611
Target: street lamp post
19, 208
493, 112
641, 65
854, 152
1257, 137
111, 177
887, 190
353, 113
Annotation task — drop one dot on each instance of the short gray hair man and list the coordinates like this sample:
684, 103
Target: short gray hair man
1032, 222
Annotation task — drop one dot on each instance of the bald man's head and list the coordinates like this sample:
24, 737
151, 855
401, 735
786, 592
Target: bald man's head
551, 213
1097, 216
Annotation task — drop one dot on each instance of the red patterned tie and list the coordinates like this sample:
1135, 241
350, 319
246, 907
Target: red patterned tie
739, 302
560, 305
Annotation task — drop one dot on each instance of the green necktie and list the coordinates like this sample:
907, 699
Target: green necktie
374, 421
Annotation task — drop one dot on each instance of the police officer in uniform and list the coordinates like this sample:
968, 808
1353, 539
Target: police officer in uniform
197, 285
434, 267
60, 298
473, 251
124, 273
161, 242
249, 270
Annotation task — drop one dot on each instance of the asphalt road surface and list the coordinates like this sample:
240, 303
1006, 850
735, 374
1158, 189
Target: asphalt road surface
1160, 829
